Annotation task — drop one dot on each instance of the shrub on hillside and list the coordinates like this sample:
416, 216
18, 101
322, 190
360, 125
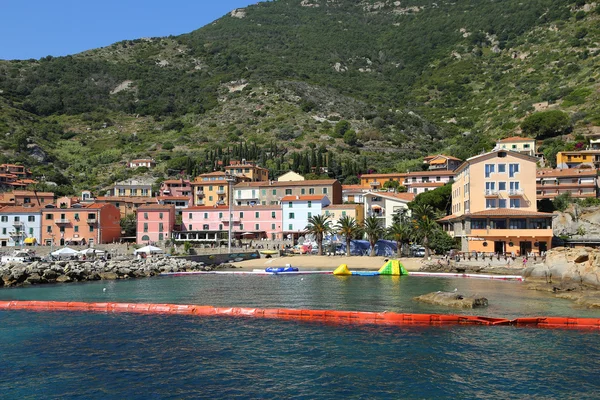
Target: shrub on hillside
547, 124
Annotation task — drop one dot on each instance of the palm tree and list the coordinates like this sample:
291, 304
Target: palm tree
373, 230
349, 228
319, 225
401, 232
425, 230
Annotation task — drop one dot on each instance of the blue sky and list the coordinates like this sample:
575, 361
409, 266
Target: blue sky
37, 28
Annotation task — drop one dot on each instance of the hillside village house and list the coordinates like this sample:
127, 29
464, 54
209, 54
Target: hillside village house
384, 205
80, 224
494, 206
578, 182
213, 188
336, 211
209, 224
131, 188
179, 202
377, 181
247, 193
144, 162
247, 170
442, 162
26, 198
353, 193
290, 176
176, 187
423, 181
272, 193
155, 223
20, 225
578, 158
518, 144
297, 210
127, 205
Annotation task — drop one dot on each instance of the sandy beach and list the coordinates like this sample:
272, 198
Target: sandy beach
328, 263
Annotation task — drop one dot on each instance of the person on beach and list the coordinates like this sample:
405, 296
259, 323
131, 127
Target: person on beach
524, 261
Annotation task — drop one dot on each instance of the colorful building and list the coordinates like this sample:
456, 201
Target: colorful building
20, 225
377, 181
272, 193
518, 144
132, 188
384, 205
80, 224
144, 162
213, 188
26, 198
353, 193
247, 193
155, 223
248, 170
578, 158
442, 162
126, 205
297, 210
494, 206
176, 187
336, 211
578, 182
423, 181
290, 176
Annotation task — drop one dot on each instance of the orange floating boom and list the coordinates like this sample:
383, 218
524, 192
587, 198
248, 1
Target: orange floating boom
331, 316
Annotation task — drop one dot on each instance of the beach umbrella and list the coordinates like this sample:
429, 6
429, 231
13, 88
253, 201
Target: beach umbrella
148, 250
65, 252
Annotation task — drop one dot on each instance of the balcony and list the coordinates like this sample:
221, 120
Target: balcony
221, 191
17, 224
16, 234
512, 233
491, 193
200, 195
375, 184
92, 220
515, 193
63, 221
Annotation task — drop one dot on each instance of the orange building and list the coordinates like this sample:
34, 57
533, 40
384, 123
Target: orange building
578, 182
26, 198
80, 224
376, 181
213, 188
494, 206
248, 170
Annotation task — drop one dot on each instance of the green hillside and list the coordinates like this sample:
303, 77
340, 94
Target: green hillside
351, 85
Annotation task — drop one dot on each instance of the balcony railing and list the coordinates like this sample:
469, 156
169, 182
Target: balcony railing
491, 192
63, 221
92, 220
515, 192
16, 234
221, 191
17, 223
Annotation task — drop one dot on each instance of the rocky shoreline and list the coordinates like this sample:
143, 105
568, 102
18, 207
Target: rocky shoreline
39, 272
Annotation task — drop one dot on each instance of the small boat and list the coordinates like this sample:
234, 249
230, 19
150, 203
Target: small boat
18, 256
269, 252
287, 268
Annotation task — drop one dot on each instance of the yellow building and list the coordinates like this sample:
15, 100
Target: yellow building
337, 211
518, 144
576, 159
213, 188
494, 206
248, 170
376, 181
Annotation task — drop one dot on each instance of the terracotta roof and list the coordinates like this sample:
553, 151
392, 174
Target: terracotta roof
243, 166
142, 160
448, 218
342, 206
551, 173
390, 175
169, 181
317, 182
304, 198
31, 193
404, 196
425, 184
21, 209
250, 184
353, 187
539, 186
430, 173
173, 198
126, 199
206, 208
216, 173
515, 139
443, 156
156, 207
273, 207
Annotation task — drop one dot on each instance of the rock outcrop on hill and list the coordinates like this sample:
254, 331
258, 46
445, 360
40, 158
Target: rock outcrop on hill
76, 271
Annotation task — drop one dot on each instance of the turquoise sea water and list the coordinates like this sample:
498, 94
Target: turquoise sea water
94, 355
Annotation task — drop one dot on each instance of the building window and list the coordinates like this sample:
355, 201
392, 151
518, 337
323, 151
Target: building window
31, 218
220, 227
61, 229
145, 238
31, 231
343, 213
309, 215
49, 229
4, 218
497, 224
273, 226
190, 216
241, 227
273, 214
490, 186
514, 186
291, 215
274, 192
490, 203
303, 191
160, 236
489, 169
205, 215
501, 203
311, 191
288, 191
501, 168
519, 223
257, 215
91, 228
513, 169
210, 198
145, 215
478, 224
264, 192
256, 227
210, 188
160, 215
290, 227
324, 190
48, 216
438, 178
515, 203
501, 185
4, 231
76, 228
309, 204
145, 227
190, 227
160, 227
290, 204
241, 214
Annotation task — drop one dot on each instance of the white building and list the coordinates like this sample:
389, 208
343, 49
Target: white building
20, 226
148, 163
247, 193
385, 204
298, 209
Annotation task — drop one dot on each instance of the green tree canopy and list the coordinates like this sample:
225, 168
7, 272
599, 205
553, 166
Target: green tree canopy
547, 124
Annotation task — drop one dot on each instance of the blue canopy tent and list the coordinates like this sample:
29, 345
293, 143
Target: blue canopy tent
385, 248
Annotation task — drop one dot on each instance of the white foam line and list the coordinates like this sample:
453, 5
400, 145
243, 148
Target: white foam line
255, 272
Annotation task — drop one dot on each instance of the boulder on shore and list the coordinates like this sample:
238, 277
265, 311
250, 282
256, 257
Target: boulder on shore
453, 299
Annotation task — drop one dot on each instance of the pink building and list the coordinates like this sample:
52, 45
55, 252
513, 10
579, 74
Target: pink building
176, 188
155, 223
208, 224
